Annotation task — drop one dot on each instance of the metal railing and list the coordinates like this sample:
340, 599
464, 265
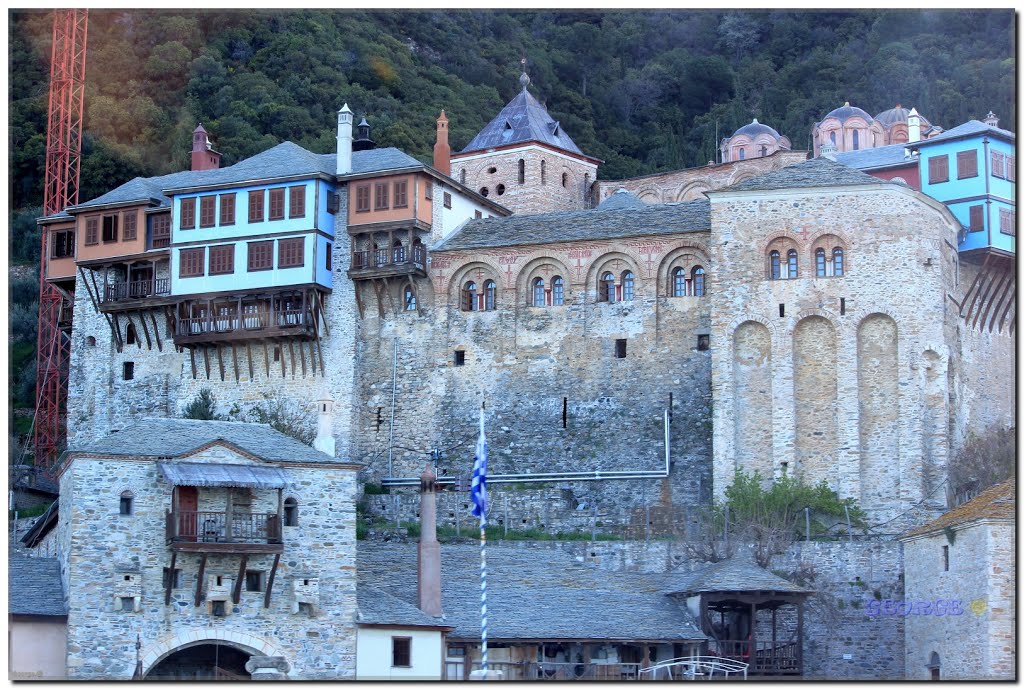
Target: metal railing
217, 527
532, 671
692, 667
136, 289
395, 256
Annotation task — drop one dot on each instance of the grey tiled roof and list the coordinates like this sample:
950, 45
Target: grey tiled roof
523, 119
969, 128
755, 128
845, 112
380, 607
34, 586
738, 573
533, 594
818, 172
620, 199
175, 437
899, 114
874, 158
588, 225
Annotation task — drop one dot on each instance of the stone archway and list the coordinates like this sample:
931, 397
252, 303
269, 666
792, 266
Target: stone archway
202, 661
240, 643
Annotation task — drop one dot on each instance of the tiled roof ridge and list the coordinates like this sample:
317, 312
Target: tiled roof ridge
995, 502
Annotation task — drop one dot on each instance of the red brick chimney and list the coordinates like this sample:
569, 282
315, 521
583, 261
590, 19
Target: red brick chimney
428, 579
203, 155
442, 151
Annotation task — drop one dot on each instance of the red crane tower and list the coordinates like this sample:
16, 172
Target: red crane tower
63, 162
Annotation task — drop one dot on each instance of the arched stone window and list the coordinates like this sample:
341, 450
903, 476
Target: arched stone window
837, 262
764, 150
856, 140
829, 256
398, 251
462, 175
606, 288
832, 137
565, 180
679, 282
490, 295
776, 268
291, 512
557, 291
743, 154
131, 336
543, 173
627, 286
410, 298
537, 294
469, 300
90, 341
934, 667
127, 506
791, 262
698, 281
819, 262
522, 171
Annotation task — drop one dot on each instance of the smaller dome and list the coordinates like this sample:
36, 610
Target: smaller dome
755, 128
619, 200
898, 114
847, 111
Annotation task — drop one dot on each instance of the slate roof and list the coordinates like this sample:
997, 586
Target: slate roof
738, 573
586, 225
846, 111
34, 586
619, 200
755, 128
899, 114
379, 607
523, 119
817, 172
997, 502
176, 437
969, 128
875, 158
539, 595
42, 526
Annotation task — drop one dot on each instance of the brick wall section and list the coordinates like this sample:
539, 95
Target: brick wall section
106, 546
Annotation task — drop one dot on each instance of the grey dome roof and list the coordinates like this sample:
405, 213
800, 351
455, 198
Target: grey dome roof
898, 114
755, 128
846, 112
620, 199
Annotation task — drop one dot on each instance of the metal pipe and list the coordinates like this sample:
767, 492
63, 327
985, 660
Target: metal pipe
391, 434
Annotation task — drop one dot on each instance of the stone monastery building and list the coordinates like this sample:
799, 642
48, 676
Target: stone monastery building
794, 317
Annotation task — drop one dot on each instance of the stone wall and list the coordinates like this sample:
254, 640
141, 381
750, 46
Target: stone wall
112, 555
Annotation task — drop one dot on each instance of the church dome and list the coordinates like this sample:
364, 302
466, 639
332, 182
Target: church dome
898, 114
847, 111
619, 200
755, 128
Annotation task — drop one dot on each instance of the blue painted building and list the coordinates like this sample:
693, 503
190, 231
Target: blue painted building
972, 169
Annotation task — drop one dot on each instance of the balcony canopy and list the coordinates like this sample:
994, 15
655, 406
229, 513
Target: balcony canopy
222, 475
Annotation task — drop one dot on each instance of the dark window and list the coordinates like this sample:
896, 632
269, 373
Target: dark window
207, 211
477, 214
1008, 222
401, 194
261, 256
792, 264
522, 171
192, 261
703, 343
131, 226
998, 165
557, 291
410, 298
253, 580
966, 164
62, 244
218, 609
460, 357
565, 179
127, 502
490, 295
938, 169
620, 349
627, 286
328, 264
276, 204
92, 226
856, 140
290, 253
776, 268
469, 302
678, 282
842, 306
743, 154
448, 200
380, 196
129, 370
109, 228
428, 191
837, 262
161, 230
291, 512
485, 192
256, 206
222, 259
227, 209
172, 577
782, 310
188, 214
131, 335
333, 202
363, 198
127, 603
500, 189
297, 202
698, 281
606, 288
543, 173
462, 176
819, 263
945, 558
401, 651
538, 293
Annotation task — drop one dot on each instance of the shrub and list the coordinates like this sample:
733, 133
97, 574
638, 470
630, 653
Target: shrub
202, 408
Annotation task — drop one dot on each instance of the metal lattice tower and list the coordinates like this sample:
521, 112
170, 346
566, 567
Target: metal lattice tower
63, 162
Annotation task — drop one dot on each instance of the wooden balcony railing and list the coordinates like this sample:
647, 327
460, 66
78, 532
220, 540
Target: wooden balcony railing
768, 658
208, 530
136, 289
227, 320
161, 241
396, 256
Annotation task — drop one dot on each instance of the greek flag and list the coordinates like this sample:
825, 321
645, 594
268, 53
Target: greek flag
478, 489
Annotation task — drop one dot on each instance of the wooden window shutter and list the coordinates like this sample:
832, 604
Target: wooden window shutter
938, 169
447, 200
276, 204
363, 198
256, 206
998, 164
261, 256
207, 211
401, 194
428, 190
222, 259
296, 202
227, 209
290, 253
966, 164
1007, 222
191, 262
131, 226
380, 196
188, 214
977, 218
92, 230
1011, 168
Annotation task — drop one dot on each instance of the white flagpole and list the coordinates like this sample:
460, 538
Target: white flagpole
483, 571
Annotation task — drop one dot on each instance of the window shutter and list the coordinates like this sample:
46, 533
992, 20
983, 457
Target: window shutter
131, 226
447, 200
362, 198
227, 209
998, 164
188, 214
1011, 168
977, 218
938, 169
191, 262
966, 164
296, 202
380, 196
1007, 222
290, 253
401, 194
207, 211
92, 228
256, 206
276, 204
261, 256
428, 191
222, 259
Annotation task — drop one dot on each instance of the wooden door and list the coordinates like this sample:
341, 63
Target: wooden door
186, 504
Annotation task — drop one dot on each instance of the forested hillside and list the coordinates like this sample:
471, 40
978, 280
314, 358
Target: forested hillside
644, 91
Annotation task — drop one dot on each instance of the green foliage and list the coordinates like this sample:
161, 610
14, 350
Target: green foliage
375, 489
950, 535
283, 417
33, 511
202, 408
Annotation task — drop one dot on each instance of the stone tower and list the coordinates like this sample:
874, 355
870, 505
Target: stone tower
525, 161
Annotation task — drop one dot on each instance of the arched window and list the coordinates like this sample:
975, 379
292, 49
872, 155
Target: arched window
856, 140
764, 150
565, 179
131, 336
678, 282
419, 254
291, 512
698, 281
627, 286
743, 154
469, 302
410, 298
522, 171
606, 289
398, 251
127, 503
538, 292
819, 263
557, 291
791, 256
832, 137
934, 667
543, 173
484, 192
462, 175
837, 262
490, 295
776, 268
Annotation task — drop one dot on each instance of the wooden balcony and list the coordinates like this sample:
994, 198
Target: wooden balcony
228, 319
779, 658
400, 260
224, 532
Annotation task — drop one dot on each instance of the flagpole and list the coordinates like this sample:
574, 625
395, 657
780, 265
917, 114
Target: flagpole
478, 496
483, 592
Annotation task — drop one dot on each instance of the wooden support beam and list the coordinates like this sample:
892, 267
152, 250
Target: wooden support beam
234, 360
302, 356
170, 578
1007, 290
984, 267
156, 331
220, 361
359, 302
206, 361
266, 357
1006, 312
199, 579
88, 290
321, 305
248, 356
997, 289
280, 351
291, 353
270, 580
236, 594
145, 330
117, 334
986, 291
192, 356
320, 354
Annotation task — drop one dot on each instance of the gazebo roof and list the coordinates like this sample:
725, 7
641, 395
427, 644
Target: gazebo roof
738, 574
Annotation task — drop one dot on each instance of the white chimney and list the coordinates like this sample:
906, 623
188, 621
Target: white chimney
324, 440
913, 125
344, 140
991, 119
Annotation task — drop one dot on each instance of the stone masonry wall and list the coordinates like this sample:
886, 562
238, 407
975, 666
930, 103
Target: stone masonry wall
106, 547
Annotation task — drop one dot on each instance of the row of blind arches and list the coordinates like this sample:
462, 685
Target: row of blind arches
790, 269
